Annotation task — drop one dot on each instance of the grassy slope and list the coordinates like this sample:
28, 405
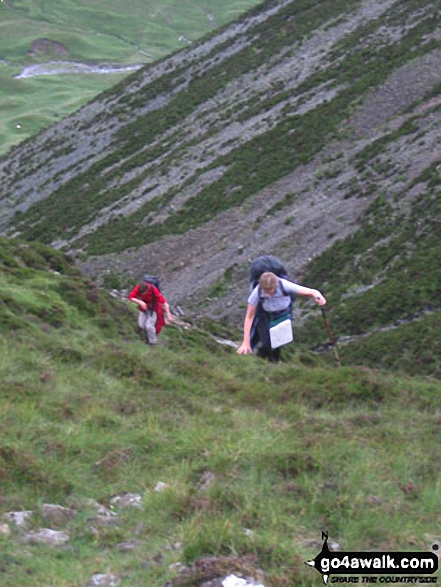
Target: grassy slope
294, 449
133, 32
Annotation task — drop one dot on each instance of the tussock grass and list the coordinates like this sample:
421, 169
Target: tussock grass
88, 411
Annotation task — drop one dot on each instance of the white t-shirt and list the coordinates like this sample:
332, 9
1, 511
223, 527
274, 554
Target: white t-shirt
279, 301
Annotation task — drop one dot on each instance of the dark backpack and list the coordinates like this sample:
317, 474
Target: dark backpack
153, 280
264, 264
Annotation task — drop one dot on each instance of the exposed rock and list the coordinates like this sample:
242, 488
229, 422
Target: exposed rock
129, 546
225, 341
213, 583
56, 515
160, 486
101, 510
104, 521
46, 536
5, 530
179, 567
107, 580
20, 519
211, 571
233, 581
206, 481
127, 500
47, 46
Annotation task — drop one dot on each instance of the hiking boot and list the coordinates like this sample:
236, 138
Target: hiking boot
157, 343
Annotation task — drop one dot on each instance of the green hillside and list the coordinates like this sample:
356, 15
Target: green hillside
149, 146
257, 459
306, 129
89, 32
397, 249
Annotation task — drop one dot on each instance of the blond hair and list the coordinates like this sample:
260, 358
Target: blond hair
268, 282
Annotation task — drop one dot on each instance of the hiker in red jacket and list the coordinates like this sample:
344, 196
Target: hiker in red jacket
151, 304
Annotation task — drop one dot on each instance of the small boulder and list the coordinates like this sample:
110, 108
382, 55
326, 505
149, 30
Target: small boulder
105, 580
19, 519
5, 530
46, 536
207, 479
104, 521
233, 581
129, 546
100, 509
160, 486
56, 515
127, 500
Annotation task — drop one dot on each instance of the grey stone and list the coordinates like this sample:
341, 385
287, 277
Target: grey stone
213, 582
56, 515
178, 566
127, 500
5, 530
104, 521
101, 510
160, 486
20, 519
104, 580
46, 536
234, 581
129, 546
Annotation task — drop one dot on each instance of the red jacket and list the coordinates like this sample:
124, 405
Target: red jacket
154, 300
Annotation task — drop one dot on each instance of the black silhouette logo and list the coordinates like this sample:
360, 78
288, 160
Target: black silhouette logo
316, 562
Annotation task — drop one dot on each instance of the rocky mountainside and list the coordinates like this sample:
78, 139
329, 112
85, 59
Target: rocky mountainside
297, 130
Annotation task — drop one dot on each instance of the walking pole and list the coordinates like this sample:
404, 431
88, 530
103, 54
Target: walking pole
331, 337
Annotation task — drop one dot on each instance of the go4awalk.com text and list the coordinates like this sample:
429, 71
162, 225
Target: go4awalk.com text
388, 568
384, 580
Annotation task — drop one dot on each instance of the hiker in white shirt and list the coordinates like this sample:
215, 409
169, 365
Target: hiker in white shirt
274, 295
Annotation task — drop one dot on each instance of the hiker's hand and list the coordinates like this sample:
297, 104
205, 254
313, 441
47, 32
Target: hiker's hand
142, 306
244, 349
319, 298
169, 319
